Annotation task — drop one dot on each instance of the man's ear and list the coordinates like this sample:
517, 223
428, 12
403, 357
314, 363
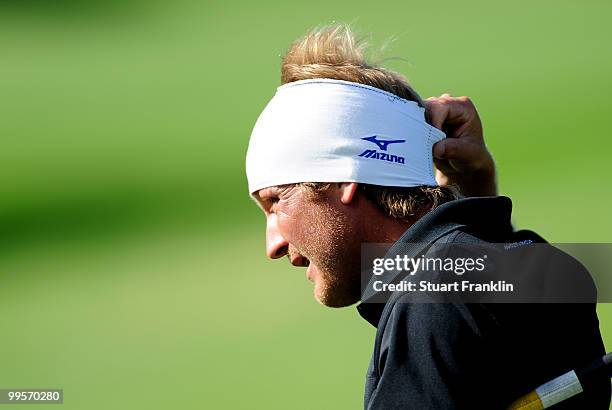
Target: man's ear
347, 192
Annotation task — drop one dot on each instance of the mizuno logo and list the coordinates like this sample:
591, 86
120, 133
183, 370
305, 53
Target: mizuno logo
382, 144
372, 153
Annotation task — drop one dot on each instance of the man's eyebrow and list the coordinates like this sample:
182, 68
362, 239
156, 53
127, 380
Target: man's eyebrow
267, 193
257, 198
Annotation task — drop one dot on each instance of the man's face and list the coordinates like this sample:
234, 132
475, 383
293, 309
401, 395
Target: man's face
317, 231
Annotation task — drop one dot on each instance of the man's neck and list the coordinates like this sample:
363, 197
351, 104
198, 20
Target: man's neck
385, 229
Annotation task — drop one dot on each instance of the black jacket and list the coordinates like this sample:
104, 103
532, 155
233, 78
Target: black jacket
476, 355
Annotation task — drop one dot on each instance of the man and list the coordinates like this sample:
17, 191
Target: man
342, 156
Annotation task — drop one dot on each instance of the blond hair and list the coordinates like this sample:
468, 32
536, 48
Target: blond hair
333, 51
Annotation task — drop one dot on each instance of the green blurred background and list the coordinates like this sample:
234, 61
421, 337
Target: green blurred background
132, 264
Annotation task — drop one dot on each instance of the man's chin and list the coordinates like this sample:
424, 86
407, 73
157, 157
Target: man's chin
334, 298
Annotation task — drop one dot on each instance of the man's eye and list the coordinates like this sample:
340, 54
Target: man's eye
273, 203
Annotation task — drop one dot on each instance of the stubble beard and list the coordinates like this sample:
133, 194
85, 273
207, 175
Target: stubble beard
333, 251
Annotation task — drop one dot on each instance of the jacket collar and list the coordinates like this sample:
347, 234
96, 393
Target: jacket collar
487, 217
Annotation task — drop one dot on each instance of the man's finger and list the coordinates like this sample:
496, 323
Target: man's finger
456, 150
449, 110
437, 111
438, 149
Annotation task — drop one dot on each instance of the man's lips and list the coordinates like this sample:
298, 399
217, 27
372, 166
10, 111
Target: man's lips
310, 273
299, 260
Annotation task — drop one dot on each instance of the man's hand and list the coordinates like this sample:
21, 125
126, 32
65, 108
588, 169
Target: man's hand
462, 158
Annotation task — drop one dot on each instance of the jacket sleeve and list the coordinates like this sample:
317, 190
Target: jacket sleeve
433, 356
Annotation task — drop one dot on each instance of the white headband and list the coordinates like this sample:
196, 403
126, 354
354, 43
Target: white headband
326, 130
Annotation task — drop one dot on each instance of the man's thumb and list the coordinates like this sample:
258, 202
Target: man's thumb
439, 149
455, 149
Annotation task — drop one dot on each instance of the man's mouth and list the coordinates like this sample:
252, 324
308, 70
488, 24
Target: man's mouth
300, 260
310, 273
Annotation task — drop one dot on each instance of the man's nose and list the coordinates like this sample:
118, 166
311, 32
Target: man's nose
276, 245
